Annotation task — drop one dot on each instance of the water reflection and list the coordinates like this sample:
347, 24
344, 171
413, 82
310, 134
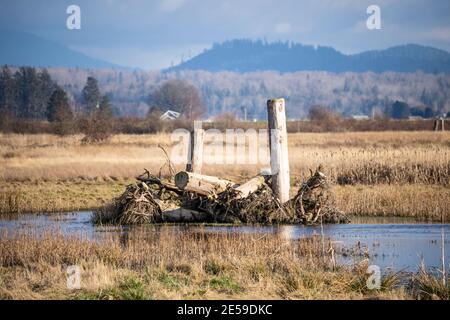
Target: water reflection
399, 244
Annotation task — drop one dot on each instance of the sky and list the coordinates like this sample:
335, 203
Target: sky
154, 34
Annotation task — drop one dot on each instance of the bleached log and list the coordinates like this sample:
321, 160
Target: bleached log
201, 184
250, 187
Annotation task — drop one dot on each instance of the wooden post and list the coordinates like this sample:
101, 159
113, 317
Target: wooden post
279, 161
195, 153
442, 124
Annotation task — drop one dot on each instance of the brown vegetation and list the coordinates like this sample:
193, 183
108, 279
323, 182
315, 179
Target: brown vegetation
143, 265
153, 124
379, 173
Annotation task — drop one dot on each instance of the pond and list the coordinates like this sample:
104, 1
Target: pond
391, 243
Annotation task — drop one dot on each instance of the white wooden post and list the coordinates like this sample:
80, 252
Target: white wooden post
279, 161
195, 153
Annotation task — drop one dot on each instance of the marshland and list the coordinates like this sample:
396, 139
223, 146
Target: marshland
394, 186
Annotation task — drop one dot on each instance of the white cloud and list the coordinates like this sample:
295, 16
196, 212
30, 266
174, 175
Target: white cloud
146, 58
171, 5
283, 28
441, 34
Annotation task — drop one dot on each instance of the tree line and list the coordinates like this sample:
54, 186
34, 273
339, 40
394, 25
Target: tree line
30, 94
227, 92
78, 100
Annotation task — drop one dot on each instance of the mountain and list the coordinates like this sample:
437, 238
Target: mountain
25, 49
249, 56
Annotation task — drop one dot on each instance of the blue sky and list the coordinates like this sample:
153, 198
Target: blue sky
153, 34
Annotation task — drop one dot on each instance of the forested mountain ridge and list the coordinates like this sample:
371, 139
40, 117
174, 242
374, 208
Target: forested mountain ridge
25, 49
250, 56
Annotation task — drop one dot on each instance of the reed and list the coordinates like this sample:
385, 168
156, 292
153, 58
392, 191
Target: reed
377, 173
144, 265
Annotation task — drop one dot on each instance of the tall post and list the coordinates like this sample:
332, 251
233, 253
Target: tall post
279, 161
195, 153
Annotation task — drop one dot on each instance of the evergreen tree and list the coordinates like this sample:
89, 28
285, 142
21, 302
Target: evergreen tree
27, 82
105, 108
7, 93
46, 88
400, 110
58, 109
91, 95
429, 113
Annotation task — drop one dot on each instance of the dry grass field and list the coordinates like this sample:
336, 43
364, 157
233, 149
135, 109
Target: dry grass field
204, 266
375, 173
403, 174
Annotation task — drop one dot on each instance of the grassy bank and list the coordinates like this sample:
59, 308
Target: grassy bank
204, 266
348, 158
423, 202
57, 196
375, 173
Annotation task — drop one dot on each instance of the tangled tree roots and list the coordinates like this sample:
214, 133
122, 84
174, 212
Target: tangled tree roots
259, 207
315, 202
135, 206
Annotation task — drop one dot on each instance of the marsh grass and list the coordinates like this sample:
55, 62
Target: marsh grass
349, 158
429, 286
195, 265
377, 173
417, 201
10, 203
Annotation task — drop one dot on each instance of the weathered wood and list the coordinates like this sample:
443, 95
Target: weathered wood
250, 187
278, 143
195, 153
150, 179
201, 184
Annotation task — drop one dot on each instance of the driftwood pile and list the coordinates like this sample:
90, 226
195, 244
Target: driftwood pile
199, 198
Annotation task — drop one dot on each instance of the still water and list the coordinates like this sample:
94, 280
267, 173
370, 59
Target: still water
391, 243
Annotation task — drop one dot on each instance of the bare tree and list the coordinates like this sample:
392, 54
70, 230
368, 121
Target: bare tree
179, 96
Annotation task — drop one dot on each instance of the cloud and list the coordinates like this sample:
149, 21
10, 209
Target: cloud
441, 34
171, 5
146, 58
283, 28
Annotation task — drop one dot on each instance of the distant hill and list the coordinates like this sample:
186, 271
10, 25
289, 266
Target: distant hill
25, 49
249, 56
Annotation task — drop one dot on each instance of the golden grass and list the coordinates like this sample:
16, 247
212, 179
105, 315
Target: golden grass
422, 202
404, 157
384, 173
204, 266
57, 196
